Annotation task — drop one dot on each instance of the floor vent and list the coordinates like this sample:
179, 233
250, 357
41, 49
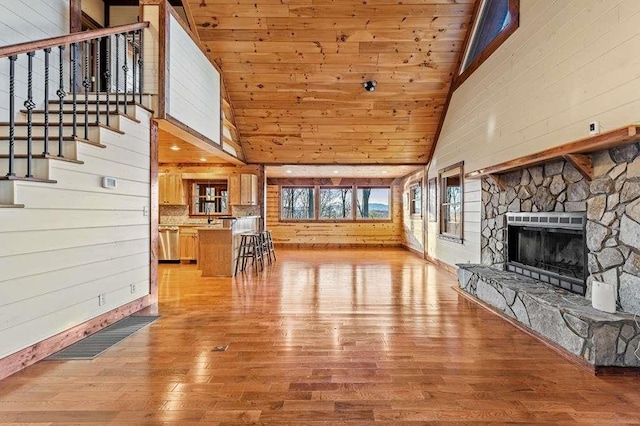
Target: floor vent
99, 342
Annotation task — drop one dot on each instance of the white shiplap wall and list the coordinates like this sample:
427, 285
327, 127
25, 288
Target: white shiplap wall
27, 20
194, 85
75, 240
570, 62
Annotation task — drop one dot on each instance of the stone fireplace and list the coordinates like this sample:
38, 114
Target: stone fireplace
557, 263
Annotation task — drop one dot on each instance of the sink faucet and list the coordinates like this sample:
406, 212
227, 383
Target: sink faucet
209, 218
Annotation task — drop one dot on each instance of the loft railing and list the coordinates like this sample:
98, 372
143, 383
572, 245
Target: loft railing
122, 50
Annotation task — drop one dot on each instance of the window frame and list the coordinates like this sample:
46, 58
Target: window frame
499, 39
444, 174
192, 194
413, 201
354, 194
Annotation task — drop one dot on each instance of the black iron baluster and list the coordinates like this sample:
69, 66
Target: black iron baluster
107, 74
134, 64
86, 83
12, 120
74, 87
46, 101
125, 68
29, 105
97, 78
140, 62
61, 95
118, 73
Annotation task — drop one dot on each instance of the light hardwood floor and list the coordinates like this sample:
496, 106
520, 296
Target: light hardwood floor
322, 336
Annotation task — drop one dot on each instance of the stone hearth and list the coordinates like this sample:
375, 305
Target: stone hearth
565, 318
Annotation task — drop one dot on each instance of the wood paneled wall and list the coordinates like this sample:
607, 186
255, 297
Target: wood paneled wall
359, 233
568, 64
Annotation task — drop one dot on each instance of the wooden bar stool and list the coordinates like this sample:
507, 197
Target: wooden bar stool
250, 248
269, 245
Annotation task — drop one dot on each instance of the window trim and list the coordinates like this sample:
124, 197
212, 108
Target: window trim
443, 173
514, 10
412, 201
192, 185
354, 206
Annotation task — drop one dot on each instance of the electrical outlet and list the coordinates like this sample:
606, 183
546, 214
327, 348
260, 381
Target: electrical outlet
145, 211
594, 128
133, 288
102, 299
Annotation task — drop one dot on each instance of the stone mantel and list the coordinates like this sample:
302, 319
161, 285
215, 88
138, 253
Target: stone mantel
566, 319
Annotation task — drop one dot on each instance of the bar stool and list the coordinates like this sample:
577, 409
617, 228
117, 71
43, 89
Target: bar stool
264, 243
269, 245
250, 248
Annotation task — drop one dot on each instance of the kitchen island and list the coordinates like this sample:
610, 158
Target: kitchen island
218, 245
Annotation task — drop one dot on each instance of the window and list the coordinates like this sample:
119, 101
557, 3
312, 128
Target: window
209, 197
298, 203
494, 22
451, 202
415, 199
336, 203
373, 203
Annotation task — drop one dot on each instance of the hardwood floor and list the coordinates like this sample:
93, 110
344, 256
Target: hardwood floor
320, 337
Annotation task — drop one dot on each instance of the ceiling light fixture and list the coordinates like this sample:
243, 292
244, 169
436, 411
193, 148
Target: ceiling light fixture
384, 172
203, 159
175, 148
288, 171
370, 85
335, 172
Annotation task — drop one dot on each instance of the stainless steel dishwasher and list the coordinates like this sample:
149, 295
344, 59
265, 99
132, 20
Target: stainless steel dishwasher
169, 244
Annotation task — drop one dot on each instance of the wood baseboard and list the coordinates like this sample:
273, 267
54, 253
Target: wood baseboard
574, 359
444, 265
414, 251
34, 353
335, 245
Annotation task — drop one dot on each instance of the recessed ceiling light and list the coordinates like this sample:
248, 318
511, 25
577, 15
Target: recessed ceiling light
384, 172
175, 148
203, 159
288, 171
335, 172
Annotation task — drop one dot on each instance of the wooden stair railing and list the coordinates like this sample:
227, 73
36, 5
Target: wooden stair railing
122, 50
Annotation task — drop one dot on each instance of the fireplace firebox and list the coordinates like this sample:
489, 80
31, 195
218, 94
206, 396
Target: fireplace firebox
549, 247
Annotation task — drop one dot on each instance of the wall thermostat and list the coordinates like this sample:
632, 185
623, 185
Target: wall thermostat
109, 182
594, 128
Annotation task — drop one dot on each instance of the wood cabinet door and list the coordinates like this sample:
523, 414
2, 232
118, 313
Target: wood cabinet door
170, 190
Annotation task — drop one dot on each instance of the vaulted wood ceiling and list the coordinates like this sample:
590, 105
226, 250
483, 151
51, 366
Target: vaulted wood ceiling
294, 71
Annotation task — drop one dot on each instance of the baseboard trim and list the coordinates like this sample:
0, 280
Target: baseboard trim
335, 245
576, 360
414, 251
452, 269
17, 361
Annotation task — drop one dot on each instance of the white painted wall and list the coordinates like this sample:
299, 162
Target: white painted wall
27, 20
194, 85
570, 62
75, 240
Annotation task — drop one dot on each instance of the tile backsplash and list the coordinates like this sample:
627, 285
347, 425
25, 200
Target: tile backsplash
178, 215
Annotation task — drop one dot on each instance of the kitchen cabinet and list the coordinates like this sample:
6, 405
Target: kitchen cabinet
170, 190
243, 190
188, 244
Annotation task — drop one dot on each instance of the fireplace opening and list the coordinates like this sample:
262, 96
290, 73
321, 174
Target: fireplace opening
549, 247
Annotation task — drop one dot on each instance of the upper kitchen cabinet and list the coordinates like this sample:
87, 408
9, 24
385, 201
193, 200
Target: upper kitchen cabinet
243, 190
170, 190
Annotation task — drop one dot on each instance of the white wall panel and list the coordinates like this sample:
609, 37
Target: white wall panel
570, 62
194, 85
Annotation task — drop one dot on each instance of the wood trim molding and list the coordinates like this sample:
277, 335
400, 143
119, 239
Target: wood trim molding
450, 237
190, 20
75, 16
335, 245
328, 182
17, 49
452, 269
414, 251
34, 353
621, 136
154, 215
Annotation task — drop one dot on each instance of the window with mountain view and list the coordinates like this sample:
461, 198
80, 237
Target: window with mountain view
373, 203
336, 203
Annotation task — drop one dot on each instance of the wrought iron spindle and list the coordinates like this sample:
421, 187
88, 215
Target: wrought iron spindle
117, 73
97, 77
74, 87
12, 120
29, 105
45, 151
86, 83
61, 94
140, 62
134, 66
125, 68
107, 75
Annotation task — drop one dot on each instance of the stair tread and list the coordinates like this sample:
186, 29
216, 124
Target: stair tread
11, 206
55, 124
45, 156
54, 139
27, 179
103, 101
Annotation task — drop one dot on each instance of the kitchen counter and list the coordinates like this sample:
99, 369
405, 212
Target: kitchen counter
218, 246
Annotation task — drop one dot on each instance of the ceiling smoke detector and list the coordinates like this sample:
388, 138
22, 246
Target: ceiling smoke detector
370, 85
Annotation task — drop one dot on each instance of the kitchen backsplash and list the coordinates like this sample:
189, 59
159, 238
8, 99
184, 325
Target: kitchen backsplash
178, 215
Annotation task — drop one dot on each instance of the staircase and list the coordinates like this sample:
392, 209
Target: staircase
75, 120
